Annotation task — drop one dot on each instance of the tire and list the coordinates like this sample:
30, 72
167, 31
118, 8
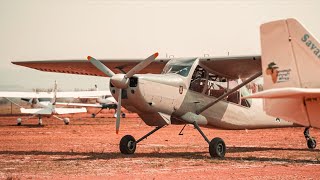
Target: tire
66, 121
127, 145
123, 115
217, 148
311, 143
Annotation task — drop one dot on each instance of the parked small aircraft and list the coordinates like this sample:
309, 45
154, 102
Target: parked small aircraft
290, 64
102, 102
44, 103
203, 91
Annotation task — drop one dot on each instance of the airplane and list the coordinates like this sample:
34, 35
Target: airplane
44, 103
290, 64
202, 91
102, 102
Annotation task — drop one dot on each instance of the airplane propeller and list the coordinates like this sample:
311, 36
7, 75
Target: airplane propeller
121, 81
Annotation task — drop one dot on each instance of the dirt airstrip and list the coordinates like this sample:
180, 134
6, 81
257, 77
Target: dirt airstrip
88, 149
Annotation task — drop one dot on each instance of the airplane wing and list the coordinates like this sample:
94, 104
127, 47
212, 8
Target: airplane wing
80, 104
231, 67
70, 110
83, 94
75, 94
42, 111
13, 94
84, 67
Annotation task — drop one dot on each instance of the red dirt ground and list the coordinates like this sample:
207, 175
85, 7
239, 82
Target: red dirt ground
88, 149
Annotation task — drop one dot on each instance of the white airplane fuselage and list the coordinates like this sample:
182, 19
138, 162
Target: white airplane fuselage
161, 99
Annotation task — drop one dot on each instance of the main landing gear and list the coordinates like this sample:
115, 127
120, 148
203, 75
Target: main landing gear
311, 142
19, 120
217, 147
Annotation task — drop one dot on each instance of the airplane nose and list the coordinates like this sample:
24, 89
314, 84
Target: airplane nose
120, 81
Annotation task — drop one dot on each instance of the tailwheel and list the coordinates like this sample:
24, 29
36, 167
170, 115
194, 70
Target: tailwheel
127, 144
217, 148
311, 143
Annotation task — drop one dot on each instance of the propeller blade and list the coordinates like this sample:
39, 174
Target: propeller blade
141, 65
118, 111
100, 66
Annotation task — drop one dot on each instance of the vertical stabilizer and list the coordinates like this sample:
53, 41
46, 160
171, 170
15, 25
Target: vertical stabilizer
290, 59
290, 55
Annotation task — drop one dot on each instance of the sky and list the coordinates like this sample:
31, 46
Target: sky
74, 29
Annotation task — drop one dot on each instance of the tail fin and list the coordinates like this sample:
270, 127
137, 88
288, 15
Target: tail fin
290, 65
54, 93
290, 55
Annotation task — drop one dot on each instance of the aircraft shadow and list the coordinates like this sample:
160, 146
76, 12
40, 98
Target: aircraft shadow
80, 156
254, 149
28, 125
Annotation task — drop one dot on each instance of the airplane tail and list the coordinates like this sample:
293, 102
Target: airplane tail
291, 67
290, 55
54, 99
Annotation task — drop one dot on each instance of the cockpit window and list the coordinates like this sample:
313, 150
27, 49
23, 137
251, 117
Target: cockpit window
178, 66
177, 69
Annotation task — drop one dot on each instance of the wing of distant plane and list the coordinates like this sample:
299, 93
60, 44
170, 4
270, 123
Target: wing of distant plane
80, 104
75, 94
70, 110
42, 111
232, 67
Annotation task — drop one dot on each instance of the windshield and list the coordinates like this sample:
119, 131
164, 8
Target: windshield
178, 66
177, 69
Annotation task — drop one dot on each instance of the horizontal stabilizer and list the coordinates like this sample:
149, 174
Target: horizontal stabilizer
286, 93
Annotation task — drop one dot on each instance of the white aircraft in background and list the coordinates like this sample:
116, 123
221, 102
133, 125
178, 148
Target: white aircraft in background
102, 102
44, 103
291, 71
202, 91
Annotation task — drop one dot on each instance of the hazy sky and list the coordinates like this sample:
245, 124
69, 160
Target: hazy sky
74, 29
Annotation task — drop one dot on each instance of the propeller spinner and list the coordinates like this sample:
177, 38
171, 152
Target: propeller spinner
121, 81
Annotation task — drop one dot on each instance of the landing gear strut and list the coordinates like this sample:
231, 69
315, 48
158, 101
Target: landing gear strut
40, 121
128, 143
217, 147
311, 142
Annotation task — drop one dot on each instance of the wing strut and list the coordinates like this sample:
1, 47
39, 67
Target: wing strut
229, 92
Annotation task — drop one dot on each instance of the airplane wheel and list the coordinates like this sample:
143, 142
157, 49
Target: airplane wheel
66, 121
93, 115
312, 143
127, 144
123, 115
217, 148
19, 122
40, 122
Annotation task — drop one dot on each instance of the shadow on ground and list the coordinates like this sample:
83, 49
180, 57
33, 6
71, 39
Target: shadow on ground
79, 156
